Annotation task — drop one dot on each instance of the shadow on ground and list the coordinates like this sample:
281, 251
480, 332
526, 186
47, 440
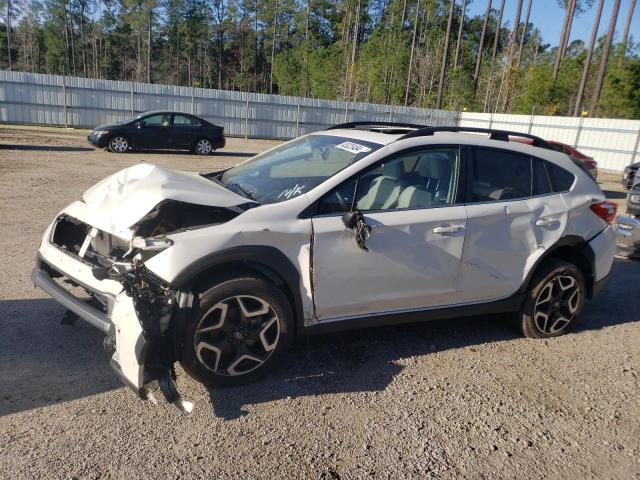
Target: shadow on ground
364, 360
611, 195
44, 362
46, 148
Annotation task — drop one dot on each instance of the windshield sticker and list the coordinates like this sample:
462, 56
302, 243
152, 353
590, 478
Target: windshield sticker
291, 192
353, 147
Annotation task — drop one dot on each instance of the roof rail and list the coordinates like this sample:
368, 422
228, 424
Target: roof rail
502, 135
375, 124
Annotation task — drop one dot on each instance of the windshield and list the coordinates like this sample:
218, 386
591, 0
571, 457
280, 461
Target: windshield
295, 167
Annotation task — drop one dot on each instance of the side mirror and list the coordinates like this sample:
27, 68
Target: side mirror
350, 219
141, 124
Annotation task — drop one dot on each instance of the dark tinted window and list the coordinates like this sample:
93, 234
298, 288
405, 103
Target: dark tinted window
161, 120
541, 183
184, 121
338, 200
499, 175
560, 177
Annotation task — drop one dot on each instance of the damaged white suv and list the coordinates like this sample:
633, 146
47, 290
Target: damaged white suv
358, 225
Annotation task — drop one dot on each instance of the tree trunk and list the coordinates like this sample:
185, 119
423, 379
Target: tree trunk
524, 32
481, 46
563, 35
273, 46
413, 46
572, 14
149, 45
443, 66
625, 35
82, 43
255, 46
516, 24
605, 57
8, 25
497, 37
464, 7
587, 61
66, 39
307, 88
73, 48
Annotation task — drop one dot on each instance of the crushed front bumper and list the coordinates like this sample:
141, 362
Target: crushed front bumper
141, 359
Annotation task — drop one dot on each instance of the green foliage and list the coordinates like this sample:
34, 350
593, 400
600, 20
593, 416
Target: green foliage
356, 50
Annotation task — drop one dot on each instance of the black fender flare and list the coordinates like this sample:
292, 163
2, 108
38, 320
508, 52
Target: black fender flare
267, 260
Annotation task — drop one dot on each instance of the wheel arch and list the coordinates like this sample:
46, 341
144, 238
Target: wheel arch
573, 249
266, 261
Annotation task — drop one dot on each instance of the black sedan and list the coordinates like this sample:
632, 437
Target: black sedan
160, 131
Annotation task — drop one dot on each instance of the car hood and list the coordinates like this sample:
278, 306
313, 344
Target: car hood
122, 199
106, 126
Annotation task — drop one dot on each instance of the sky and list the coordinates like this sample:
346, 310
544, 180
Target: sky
548, 16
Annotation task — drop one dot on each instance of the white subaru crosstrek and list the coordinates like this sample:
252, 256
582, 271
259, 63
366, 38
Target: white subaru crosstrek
361, 224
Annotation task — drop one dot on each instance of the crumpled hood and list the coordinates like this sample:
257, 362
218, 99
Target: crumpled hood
120, 200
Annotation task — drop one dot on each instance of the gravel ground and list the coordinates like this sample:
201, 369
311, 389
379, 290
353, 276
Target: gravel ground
463, 398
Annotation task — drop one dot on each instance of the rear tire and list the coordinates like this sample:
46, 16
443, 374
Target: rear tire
203, 146
554, 300
239, 330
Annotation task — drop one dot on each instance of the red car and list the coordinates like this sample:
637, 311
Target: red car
589, 162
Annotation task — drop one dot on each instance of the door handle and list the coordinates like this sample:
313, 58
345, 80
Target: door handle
546, 222
440, 230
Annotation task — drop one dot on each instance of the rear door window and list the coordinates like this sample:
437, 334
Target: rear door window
184, 121
499, 176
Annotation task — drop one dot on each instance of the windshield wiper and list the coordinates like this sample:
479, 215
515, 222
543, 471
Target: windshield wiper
241, 189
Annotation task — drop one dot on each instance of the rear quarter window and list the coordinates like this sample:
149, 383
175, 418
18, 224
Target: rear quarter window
562, 179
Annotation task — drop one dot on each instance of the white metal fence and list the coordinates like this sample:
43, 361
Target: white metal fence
27, 98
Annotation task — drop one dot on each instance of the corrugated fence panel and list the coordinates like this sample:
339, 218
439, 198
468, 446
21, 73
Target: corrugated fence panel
81, 102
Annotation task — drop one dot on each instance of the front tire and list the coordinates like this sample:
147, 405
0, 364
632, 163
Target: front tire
119, 144
554, 300
240, 328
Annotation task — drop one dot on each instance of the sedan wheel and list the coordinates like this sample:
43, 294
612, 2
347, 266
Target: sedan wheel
204, 147
119, 144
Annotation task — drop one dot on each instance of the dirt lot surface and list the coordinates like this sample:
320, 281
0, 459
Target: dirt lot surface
462, 398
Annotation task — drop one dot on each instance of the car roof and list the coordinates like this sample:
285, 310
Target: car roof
472, 139
364, 135
166, 112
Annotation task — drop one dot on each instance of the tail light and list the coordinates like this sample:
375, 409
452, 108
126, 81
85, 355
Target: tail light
605, 210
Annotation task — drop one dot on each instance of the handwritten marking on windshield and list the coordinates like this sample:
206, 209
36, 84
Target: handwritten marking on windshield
291, 192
